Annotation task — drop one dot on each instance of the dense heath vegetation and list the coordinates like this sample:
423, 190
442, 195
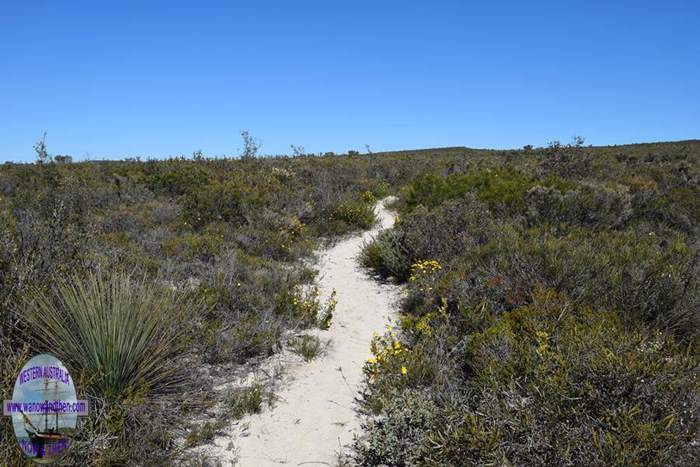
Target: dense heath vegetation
551, 313
202, 264
550, 316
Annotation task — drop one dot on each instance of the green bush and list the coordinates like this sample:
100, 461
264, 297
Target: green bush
218, 201
350, 215
423, 233
307, 346
549, 318
245, 400
383, 256
502, 189
548, 384
118, 333
640, 275
589, 205
397, 438
179, 181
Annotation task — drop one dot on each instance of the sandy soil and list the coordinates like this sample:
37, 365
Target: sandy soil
314, 416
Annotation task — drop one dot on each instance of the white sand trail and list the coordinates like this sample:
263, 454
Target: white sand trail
315, 414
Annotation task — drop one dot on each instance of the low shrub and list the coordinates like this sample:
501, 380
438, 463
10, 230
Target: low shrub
640, 275
117, 333
590, 205
423, 233
307, 346
179, 181
549, 317
548, 384
325, 316
218, 201
398, 437
502, 189
348, 216
245, 400
383, 255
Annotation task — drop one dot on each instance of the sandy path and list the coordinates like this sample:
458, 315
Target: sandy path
314, 416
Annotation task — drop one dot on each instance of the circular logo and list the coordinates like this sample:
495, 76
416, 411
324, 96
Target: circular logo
44, 408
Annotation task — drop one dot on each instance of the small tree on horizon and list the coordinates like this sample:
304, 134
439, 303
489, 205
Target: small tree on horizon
298, 151
251, 146
42, 154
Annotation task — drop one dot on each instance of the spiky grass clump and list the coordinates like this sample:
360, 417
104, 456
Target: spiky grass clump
119, 333
246, 400
307, 346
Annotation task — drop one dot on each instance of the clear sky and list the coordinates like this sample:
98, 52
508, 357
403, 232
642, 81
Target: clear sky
158, 78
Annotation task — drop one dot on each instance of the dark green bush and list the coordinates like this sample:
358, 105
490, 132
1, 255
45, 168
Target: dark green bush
347, 216
179, 181
218, 201
500, 189
503, 190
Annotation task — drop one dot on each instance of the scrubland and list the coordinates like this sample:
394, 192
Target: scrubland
550, 315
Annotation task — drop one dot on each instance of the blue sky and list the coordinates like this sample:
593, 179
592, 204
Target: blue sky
128, 78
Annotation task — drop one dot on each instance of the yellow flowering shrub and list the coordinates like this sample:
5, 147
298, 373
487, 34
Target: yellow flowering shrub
389, 355
424, 275
423, 268
368, 197
304, 302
